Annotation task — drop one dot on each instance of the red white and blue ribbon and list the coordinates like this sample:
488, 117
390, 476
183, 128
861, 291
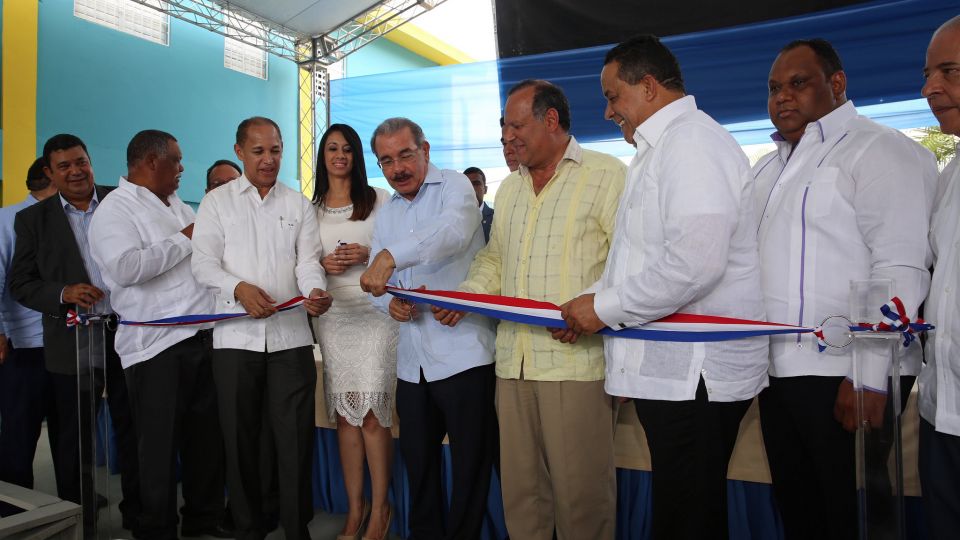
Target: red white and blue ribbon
895, 320
82, 319
680, 327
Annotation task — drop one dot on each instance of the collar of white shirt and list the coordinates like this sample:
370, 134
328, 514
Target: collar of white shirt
243, 184
827, 127
573, 152
652, 128
141, 192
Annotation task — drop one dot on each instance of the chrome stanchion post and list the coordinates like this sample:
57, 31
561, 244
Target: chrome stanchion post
879, 448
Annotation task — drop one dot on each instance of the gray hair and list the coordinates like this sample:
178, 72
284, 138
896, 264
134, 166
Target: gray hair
393, 125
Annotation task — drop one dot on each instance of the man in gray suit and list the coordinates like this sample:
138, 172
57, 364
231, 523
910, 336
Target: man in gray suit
52, 272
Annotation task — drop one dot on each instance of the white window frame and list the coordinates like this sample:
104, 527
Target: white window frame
128, 17
240, 56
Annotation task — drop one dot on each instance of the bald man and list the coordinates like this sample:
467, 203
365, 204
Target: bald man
940, 377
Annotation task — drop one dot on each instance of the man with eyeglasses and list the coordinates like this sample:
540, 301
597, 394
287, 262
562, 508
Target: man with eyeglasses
221, 172
427, 235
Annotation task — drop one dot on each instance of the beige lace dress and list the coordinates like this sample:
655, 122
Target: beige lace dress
358, 342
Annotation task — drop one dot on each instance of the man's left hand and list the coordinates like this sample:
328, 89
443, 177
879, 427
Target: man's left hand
374, 279
580, 315
564, 335
447, 317
318, 303
845, 408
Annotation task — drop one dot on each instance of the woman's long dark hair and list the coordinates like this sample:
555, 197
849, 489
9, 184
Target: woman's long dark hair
362, 195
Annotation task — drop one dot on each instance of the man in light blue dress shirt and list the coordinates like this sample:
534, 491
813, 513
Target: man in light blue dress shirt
24, 397
427, 235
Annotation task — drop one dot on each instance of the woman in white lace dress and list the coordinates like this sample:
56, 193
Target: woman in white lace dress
358, 342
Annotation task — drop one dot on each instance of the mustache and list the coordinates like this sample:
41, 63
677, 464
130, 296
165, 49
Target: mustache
401, 176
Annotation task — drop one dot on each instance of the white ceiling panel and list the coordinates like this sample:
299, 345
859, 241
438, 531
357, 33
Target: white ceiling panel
306, 17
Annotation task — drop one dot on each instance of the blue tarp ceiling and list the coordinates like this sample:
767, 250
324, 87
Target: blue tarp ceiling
882, 45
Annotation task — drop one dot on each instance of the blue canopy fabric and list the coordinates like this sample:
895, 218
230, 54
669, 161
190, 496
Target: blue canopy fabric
882, 45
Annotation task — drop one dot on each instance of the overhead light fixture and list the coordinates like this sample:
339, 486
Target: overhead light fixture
427, 4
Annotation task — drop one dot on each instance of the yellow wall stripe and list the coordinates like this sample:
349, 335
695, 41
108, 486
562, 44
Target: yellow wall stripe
419, 41
19, 95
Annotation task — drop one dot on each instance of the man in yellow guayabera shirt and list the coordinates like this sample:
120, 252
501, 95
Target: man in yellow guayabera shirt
555, 218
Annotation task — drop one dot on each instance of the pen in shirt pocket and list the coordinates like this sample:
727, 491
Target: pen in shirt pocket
286, 224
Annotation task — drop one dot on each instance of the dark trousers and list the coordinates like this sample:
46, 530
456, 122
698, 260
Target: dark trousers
71, 437
812, 458
461, 407
690, 445
175, 409
25, 400
939, 474
285, 383
270, 497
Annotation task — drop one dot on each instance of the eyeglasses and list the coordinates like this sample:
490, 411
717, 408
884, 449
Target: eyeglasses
405, 157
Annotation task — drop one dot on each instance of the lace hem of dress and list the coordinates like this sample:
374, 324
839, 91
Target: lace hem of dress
353, 406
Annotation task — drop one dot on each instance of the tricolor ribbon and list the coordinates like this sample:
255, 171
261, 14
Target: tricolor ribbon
679, 327
895, 320
83, 319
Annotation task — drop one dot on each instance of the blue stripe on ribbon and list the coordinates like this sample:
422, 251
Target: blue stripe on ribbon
186, 319
698, 336
632, 333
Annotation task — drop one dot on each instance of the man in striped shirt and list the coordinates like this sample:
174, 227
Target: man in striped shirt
554, 225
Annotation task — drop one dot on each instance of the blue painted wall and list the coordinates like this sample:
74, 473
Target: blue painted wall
383, 56
104, 85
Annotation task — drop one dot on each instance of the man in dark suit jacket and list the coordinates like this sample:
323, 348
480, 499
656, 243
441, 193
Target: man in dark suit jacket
479, 182
52, 272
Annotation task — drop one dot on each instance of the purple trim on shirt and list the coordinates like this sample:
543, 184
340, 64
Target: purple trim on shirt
803, 250
831, 149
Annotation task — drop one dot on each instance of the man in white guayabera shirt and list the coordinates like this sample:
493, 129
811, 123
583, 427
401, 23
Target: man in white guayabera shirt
257, 243
841, 198
683, 241
140, 240
940, 377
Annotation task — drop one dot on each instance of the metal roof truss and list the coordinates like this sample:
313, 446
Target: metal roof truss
230, 21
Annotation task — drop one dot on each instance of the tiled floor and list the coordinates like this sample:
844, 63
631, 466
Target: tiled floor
323, 526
